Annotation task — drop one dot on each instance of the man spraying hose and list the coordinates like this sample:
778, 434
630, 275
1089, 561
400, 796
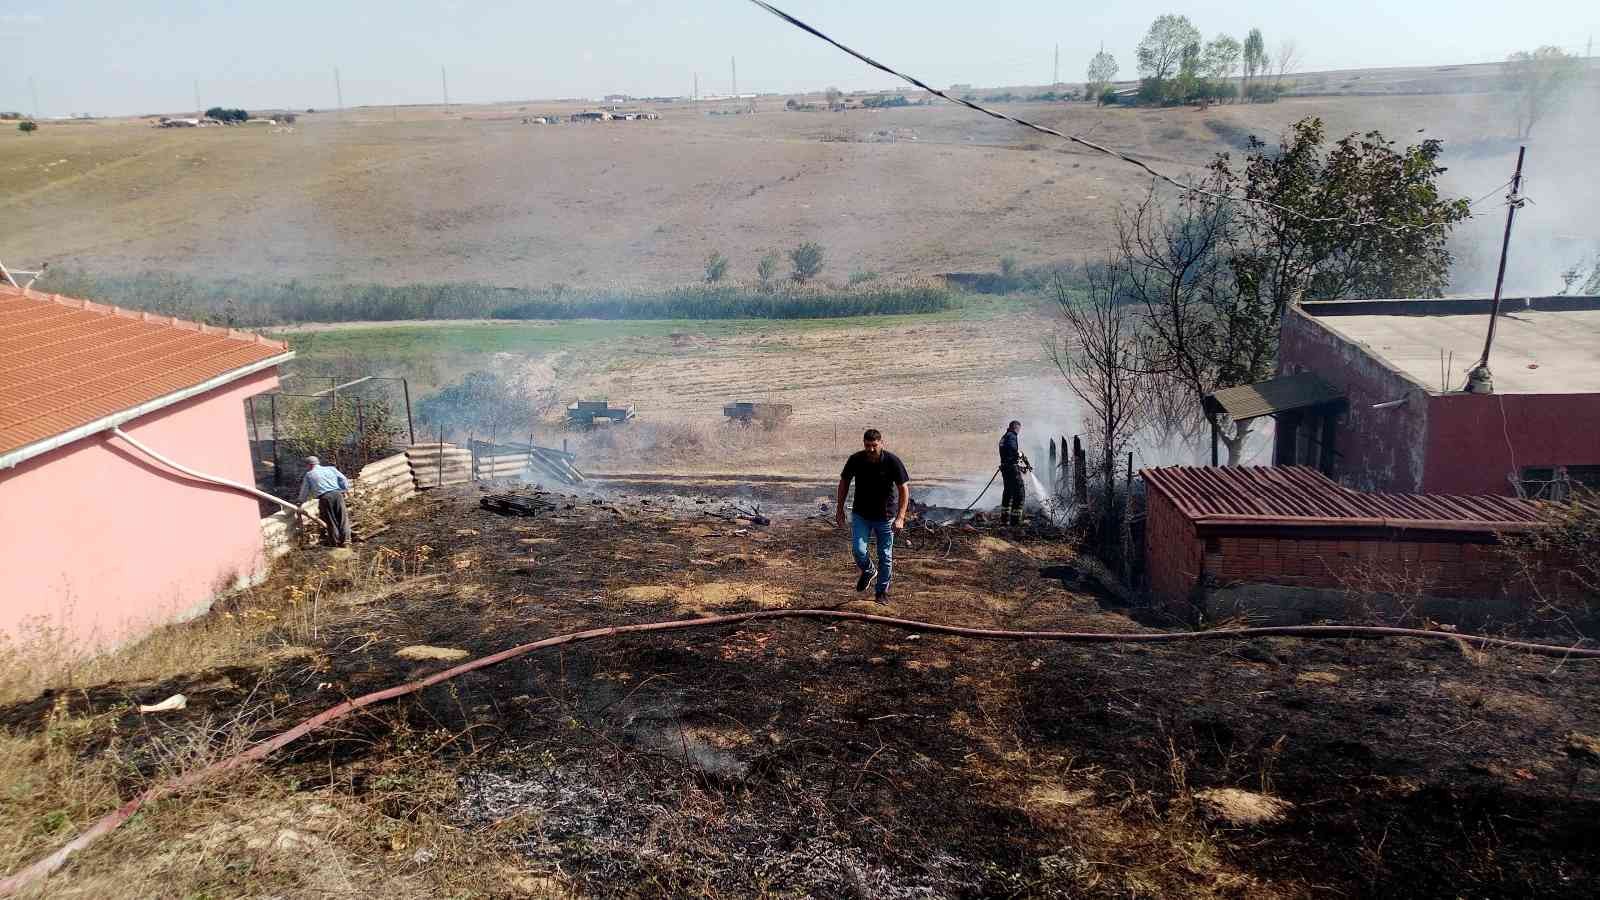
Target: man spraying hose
1013, 466
883, 491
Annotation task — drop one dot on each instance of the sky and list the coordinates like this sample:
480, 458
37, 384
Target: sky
125, 57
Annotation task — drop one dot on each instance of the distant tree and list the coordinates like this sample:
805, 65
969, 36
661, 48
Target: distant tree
1163, 47
767, 270
835, 98
27, 127
1102, 71
790, 104
1220, 61
1187, 85
230, 116
1286, 62
1255, 59
716, 267
1537, 83
806, 261
1583, 279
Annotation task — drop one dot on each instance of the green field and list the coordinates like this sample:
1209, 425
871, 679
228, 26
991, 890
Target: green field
434, 354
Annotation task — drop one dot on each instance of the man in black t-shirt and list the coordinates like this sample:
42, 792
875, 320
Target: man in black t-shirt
883, 491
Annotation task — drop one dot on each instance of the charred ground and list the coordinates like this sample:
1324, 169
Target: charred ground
802, 758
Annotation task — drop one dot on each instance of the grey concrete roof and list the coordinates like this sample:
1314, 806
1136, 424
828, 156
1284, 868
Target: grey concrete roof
1535, 351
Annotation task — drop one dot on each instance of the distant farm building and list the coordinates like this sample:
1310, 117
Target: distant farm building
102, 540
592, 116
1371, 393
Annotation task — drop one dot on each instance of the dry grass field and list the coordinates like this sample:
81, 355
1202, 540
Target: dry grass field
415, 194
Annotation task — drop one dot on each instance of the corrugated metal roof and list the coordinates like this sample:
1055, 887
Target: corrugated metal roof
66, 363
1281, 394
1300, 495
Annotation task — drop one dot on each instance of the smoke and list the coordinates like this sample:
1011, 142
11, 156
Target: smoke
1556, 229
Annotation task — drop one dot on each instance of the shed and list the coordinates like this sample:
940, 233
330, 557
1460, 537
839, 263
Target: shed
1209, 528
102, 540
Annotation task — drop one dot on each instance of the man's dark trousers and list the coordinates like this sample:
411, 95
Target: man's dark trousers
334, 515
1016, 491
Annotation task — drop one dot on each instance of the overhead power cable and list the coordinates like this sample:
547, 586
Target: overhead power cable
1099, 148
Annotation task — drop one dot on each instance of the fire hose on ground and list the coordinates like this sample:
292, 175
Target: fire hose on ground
44, 866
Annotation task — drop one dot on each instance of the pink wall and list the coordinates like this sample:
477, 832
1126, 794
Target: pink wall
101, 543
1378, 449
1476, 440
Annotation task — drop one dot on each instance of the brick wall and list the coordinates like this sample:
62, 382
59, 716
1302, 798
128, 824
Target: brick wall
1438, 566
1172, 550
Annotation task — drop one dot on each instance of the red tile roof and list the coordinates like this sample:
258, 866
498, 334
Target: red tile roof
67, 363
1299, 495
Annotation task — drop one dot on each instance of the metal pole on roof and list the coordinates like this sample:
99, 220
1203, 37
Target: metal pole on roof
1479, 379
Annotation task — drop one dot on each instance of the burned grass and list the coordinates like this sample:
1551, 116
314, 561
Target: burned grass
840, 760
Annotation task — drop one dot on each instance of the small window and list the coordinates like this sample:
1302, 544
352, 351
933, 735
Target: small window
1556, 482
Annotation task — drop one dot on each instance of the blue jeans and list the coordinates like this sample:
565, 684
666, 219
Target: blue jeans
862, 529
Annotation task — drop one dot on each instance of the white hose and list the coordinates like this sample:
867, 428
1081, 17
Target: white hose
204, 477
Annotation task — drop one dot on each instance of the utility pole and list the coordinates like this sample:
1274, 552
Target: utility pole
695, 97
1056, 80
1479, 379
338, 91
734, 65
445, 83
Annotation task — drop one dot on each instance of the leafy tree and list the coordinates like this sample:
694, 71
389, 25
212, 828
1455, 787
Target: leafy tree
1212, 276
1537, 83
1220, 61
345, 431
806, 261
716, 267
1163, 47
1102, 71
27, 127
766, 270
1186, 85
835, 98
1305, 238
1108, 96
227, 115
1255, 58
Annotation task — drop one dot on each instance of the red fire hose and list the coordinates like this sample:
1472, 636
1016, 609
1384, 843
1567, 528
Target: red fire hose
44, 866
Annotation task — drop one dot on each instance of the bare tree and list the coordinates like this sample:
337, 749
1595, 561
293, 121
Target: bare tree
1097, 350
1200, 332
1286, 62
